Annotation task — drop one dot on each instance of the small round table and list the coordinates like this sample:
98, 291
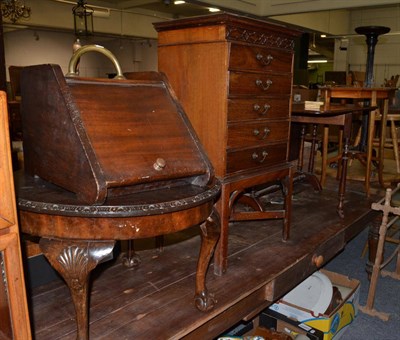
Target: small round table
75, 237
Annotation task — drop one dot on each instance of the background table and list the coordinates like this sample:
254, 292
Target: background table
328, 114
372, 96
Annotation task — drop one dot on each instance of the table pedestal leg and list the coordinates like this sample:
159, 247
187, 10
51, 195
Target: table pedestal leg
300, 161
343, 175
287, 185
74, 260
312, 152
131, 258
309, 176
210, 231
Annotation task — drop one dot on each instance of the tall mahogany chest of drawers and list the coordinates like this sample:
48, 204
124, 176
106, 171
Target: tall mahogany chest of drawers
233, 76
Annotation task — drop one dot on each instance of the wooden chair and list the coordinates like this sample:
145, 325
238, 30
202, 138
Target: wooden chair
374, 95
392, 142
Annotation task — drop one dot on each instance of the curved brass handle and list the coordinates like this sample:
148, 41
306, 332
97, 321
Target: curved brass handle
95, 48
265, 61
263, 86
318, 260
257, 107
265, 133
256, 156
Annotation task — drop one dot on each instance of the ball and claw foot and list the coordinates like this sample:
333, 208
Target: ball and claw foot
205, 301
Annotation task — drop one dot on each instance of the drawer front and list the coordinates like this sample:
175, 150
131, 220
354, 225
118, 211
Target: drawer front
252, 134
257, 108
265, 155
256, 58
305, 267
259, 84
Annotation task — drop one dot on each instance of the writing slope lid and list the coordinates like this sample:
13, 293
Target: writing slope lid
107, 133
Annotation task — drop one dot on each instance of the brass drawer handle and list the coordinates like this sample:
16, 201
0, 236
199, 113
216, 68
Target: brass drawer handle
159, 164
265, 61
318, 260
263, 86
256, 156
257, 108
265, 133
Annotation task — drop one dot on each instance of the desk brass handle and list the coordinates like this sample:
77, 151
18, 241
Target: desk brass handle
159, 164
72, 72
318, 260
257, 157
264, 86
264, 60
257, 108
265, 133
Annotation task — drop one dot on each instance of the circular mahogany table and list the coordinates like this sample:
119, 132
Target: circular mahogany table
75, 237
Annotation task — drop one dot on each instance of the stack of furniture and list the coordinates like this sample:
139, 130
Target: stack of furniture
233, 76
107, 160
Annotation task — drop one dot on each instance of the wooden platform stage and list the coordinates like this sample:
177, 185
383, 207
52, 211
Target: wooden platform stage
155, 300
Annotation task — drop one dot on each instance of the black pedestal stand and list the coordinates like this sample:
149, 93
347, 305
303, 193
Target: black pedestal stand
371, 33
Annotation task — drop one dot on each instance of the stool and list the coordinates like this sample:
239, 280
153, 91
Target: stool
391, 142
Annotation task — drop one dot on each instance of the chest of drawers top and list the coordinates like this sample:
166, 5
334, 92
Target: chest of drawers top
228, 27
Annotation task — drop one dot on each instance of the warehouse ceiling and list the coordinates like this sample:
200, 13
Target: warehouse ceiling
261, 8
167, 9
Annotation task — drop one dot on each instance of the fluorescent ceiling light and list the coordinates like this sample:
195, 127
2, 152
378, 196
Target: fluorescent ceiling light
317, 61
179, 2
213, 9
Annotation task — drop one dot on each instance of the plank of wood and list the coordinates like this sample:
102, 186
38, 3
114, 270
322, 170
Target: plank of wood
155, 300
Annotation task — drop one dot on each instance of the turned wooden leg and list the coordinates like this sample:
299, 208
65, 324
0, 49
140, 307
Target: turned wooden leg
74, 260
131, 258
312, 152
343, 175
300, 161
287, 184
210, 231
324, 154
373, 239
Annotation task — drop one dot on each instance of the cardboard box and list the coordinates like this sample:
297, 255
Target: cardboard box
270, 319
331, 325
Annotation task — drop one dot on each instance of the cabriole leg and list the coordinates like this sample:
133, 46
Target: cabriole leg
210, 231
74, 260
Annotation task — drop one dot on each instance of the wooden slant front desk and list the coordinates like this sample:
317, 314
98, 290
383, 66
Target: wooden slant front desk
109, 160
233, 76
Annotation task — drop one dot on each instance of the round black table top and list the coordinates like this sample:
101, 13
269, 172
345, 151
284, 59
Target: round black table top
36, 195
372, 30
